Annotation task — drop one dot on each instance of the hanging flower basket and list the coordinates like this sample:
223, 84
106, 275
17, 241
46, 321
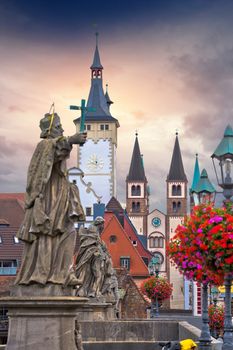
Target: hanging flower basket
157, 287
202, 247
216, 317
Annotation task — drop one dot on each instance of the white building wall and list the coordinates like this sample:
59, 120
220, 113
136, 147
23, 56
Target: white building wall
177, 300
137, 221
102, 176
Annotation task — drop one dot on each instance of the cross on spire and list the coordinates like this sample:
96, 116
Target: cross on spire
96, 35
83, 109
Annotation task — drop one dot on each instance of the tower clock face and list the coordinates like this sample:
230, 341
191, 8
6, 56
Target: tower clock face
156, 222
95, 163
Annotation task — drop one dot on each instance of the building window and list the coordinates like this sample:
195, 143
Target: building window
133, 190
125, 262
16, 240
174, 207
113, 239
101, 126
88, 127
8, 267
138, 190
138, 206
106, 127
178, 206
178, 191
156, 242
88, 211
135, 243
174, 190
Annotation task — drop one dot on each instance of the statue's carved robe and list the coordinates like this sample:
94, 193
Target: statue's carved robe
52, 204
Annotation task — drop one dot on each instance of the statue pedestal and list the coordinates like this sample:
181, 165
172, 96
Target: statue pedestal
41, 323
96, 311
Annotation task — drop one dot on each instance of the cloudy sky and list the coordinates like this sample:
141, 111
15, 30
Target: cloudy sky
169, 66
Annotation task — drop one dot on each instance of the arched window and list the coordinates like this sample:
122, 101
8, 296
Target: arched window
133, 190
156, 242
138, 206
174, 207
161, 242
138, 190
178, 190
178, 206
174, 190
133, 206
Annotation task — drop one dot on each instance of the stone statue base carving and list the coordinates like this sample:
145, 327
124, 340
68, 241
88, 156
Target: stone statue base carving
37, 290
44, 323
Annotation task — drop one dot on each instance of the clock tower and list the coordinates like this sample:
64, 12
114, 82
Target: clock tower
97, 157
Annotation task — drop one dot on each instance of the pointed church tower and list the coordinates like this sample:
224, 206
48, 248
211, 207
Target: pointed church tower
97, 157
176, 211
137, 197
196, 178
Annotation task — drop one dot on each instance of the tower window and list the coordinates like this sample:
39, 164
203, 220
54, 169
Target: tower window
174, 190
178, 190
133, 190
156, 242
174, 207
178, 206
88, 211
138, 189
138, 206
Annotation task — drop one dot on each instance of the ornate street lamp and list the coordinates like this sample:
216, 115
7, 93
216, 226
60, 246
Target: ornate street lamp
203, 193
154, 267
224, 155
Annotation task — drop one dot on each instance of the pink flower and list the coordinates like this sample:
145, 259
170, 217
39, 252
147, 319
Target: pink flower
216, 219
199, 230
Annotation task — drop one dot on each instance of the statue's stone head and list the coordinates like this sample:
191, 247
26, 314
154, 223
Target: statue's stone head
99, 223
99, 220
51, 126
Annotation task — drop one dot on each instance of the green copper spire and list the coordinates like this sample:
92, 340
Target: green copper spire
226, 145
196, 175
204, 184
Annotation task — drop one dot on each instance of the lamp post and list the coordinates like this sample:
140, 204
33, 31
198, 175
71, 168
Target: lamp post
203, 193
224, 155
154, 267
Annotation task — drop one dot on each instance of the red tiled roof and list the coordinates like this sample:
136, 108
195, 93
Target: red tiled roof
11, 210
19, 196
9, 250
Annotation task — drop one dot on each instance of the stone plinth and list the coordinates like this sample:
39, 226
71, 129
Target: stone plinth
39, 323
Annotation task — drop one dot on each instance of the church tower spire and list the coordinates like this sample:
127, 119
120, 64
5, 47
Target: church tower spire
97, 157
196, 178
137, 195
176, 212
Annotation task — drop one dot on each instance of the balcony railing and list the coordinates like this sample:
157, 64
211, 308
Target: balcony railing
8, 270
